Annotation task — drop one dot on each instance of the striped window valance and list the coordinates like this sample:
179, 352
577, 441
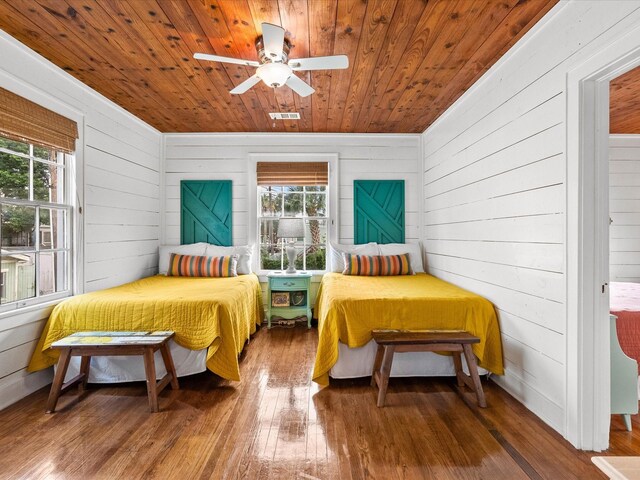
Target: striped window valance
26, 121
293, 173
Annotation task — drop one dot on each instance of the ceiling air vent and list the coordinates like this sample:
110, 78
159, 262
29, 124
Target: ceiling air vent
284, 116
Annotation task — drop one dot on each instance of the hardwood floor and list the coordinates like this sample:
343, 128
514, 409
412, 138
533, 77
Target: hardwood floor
277, 424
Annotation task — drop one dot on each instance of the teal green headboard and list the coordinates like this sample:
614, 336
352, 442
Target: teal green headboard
378, 207
205, 212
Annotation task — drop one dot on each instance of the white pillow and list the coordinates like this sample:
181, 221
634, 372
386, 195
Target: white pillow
336, 261
244, 253
167, 250
413, 249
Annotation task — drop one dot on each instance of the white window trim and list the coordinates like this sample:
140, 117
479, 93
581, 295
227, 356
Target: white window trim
68, 206
252, 183
75, 188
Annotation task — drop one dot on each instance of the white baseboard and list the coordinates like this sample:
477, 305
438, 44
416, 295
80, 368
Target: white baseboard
20, 384
548, 411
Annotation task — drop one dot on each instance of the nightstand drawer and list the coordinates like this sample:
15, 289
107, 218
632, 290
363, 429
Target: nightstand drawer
289, 283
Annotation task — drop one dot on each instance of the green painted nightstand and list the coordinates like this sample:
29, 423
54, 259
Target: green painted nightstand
289, 296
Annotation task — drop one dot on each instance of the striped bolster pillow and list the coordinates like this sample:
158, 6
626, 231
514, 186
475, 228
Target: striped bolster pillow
196, 266
378, 265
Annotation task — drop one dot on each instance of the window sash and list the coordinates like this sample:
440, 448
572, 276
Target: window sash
37, 250
306, 218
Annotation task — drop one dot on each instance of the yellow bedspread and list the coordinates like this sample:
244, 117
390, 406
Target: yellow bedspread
348, 308
214, 313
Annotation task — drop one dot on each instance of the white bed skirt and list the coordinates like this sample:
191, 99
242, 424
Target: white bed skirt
358, 362
118, 369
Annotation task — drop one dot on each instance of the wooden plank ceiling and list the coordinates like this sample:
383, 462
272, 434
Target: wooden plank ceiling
624, 106
409, 59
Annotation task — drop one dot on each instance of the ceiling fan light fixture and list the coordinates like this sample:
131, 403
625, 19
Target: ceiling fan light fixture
274, 74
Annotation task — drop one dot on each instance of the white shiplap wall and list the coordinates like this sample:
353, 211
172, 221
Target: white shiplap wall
121, 162
226, 157
624, 208
494, 201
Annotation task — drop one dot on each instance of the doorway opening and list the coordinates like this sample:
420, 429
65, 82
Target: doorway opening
588, 399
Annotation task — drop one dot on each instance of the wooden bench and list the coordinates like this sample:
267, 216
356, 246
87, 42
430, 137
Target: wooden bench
391, 341
88, 344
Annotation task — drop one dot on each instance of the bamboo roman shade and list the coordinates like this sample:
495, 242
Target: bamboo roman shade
293, 173
23, 120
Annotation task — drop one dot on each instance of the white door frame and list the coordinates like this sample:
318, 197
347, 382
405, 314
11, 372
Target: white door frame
587, 409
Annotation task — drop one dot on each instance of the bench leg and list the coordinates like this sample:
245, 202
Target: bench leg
58, 380
457, 362
85, 363
150, 369
473, 370
385, 371
168, 363
376, 364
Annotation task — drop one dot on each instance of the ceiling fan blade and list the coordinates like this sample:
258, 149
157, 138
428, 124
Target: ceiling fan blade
333, 62
217, 58
246, 85
273, 38
300, 87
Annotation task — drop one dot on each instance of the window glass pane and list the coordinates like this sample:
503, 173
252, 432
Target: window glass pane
40, 271
44, 153
293, 204
271, 256
315, 231
293, 189
52, 228
316, 204
268, 231
316, 188
45, 182
271, 204
316, 257
17, 224
14, 145
52, 276
14, 176
19, 276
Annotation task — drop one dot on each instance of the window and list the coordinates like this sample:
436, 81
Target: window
35, 216
308, 202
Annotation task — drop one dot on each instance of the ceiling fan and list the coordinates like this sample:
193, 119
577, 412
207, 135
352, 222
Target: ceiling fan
275, 68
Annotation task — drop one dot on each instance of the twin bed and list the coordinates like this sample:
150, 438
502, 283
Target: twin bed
348, 308
212, 318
